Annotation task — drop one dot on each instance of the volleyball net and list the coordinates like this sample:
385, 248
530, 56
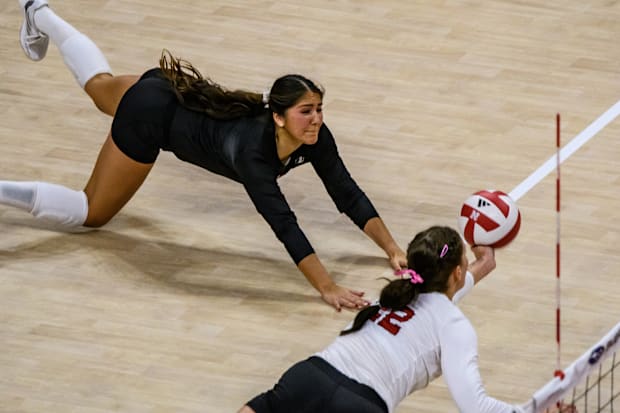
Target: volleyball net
587, 385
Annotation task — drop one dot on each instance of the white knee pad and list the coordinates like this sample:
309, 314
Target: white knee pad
59, 205
83, 58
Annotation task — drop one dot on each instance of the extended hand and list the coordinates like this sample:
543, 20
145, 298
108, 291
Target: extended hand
484, 263
482, 252
339, 297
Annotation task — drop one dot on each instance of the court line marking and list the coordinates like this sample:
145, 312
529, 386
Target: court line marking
570, 148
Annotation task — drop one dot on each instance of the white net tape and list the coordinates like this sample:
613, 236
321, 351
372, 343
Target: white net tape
588, 383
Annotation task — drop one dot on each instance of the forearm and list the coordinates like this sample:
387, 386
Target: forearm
484, 263
461, 373
315, 273
376, 230
480, 268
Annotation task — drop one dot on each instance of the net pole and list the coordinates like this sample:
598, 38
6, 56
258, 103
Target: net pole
558, 371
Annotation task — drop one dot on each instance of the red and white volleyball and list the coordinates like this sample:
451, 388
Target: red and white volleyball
489, 218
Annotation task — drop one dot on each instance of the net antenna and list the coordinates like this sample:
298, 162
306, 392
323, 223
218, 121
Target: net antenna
558, 367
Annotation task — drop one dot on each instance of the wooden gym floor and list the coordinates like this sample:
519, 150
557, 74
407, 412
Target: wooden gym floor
186, 302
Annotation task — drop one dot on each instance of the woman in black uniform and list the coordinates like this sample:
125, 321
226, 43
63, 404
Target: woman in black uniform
248, 137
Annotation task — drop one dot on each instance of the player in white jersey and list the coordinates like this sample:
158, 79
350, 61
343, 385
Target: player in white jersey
412, 335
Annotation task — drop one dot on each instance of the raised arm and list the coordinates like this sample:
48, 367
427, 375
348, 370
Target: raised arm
480, 268
484, 262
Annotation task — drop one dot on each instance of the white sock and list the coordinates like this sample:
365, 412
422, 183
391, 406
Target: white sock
48, 202
80, 54
53, 26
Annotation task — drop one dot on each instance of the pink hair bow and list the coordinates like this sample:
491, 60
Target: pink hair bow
415, 278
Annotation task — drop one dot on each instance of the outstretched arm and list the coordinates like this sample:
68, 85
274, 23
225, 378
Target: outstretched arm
350, 199
459, 364
269, 201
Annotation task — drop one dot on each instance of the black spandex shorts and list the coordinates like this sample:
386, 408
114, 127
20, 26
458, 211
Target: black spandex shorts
314, 385
141, 124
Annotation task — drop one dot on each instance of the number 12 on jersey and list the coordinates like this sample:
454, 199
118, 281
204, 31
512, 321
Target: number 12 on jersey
391, 320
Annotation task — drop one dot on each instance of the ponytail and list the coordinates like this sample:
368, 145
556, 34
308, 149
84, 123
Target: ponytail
397, 294
431, 256
361, 317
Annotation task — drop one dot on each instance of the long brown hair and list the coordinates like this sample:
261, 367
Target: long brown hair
202, 94
424, 255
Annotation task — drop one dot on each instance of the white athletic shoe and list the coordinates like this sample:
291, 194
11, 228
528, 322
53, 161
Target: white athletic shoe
33, 41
